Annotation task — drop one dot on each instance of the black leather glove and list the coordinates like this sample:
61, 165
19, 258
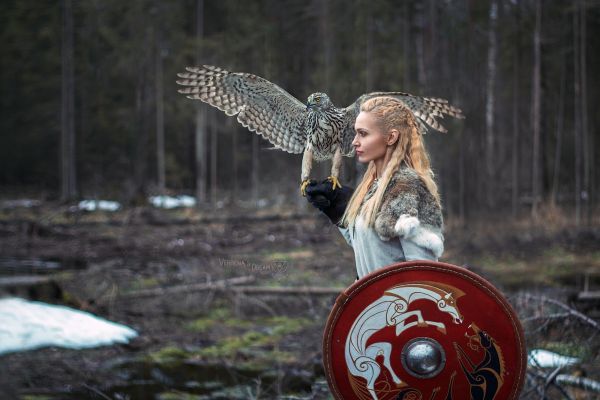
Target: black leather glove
331, 202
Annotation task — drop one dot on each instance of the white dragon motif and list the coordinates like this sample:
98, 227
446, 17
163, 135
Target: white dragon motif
391, 309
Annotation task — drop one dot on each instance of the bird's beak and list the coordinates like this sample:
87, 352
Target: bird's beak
308, 105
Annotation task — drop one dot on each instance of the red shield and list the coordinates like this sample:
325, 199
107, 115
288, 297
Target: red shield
423, 330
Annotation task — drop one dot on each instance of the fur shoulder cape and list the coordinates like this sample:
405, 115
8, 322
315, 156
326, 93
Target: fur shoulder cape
408, 210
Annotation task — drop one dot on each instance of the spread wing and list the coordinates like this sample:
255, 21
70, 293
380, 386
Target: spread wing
260, 105
424, 108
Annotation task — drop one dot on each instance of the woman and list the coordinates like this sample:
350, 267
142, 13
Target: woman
394, 214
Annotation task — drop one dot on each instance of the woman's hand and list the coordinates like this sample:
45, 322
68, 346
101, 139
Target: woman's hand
332, 202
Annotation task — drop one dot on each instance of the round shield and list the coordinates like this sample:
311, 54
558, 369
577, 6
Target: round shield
423, 330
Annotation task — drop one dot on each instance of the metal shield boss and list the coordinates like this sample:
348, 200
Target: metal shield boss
423, 330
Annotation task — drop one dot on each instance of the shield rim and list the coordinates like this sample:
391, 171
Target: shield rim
383, 272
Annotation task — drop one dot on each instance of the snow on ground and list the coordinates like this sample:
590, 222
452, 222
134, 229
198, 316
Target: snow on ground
103, 205
172, 202
26, 325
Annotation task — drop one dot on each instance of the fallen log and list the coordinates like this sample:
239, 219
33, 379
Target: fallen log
589, 295
230, 286
291, 290
33, 287
579, 381
216, 285
571, 311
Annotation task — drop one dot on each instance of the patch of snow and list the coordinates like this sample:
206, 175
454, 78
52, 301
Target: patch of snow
547, 359
175, 243
94, 205
262, 203
30, 325
172, 202
26, 203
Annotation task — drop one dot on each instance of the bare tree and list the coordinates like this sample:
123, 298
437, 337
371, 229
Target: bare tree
559, 127
68, 165
515, 115
328, 41
406, 43
587, 149
214, 135
577, 115
160, 52
200, 131
369, 50
535, 109
490, 103
420, 46
235, 160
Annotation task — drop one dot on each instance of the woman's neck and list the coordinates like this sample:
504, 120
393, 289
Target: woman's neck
381, 163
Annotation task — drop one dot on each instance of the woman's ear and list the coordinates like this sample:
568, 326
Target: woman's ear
393, 137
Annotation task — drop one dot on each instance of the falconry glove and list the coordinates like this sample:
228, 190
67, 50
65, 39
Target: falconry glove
332, 202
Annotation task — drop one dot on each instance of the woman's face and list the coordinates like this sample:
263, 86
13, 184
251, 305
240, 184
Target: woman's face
369, 142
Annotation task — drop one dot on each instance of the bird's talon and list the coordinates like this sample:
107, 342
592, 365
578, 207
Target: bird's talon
303, 186
335, 181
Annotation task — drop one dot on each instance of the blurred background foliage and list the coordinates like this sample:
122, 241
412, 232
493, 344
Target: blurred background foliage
480, 55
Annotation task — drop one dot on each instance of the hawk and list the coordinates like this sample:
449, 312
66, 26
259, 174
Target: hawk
318, 129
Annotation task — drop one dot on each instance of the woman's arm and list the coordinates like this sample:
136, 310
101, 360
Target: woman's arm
346, 234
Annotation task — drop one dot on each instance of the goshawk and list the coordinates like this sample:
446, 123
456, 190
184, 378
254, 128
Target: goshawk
318, 129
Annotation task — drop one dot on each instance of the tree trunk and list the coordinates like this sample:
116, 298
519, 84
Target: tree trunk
200, 131
324, 167
255, 169
160, 120
142, 127
490, 104
516, 118
406, 44
587, 149
369, 50
68, 166
327, 37
577, 115
420, 46
234, 157
559, 132
535, 109
214, 153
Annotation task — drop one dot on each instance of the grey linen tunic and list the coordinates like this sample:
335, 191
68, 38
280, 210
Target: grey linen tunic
372, 253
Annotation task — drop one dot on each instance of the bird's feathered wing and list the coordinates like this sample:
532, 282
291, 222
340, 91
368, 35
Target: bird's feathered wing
260, 105
424, 108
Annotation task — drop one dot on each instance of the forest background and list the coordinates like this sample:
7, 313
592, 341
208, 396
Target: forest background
230, 298
90, 107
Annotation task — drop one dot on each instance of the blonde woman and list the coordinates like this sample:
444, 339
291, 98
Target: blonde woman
394, 214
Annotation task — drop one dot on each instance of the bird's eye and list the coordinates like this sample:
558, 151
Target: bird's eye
318, 100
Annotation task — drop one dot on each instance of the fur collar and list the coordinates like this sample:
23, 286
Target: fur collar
408, 210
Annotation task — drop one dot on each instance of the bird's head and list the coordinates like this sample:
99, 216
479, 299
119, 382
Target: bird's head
318, 101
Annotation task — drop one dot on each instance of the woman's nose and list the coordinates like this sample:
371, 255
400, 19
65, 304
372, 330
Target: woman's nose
355, 141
